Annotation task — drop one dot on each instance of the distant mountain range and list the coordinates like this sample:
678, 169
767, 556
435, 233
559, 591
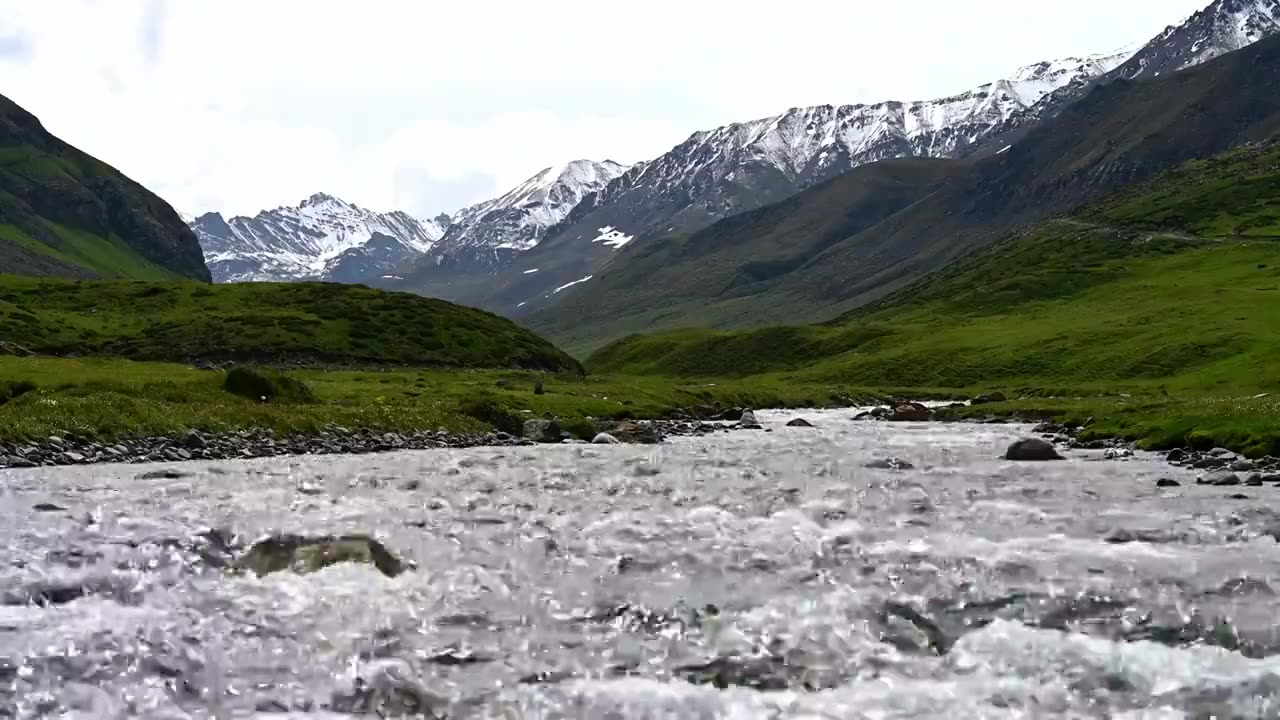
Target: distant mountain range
321, 238
529, 251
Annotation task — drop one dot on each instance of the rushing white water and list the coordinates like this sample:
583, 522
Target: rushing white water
744, 575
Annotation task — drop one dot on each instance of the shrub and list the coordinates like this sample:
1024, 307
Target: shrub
14, 389
266, 386
487, 409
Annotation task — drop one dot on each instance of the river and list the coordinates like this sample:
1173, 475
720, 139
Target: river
742, 575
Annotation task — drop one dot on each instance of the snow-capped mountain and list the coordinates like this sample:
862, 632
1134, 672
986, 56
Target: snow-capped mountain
323, 238
519, 219
1223, 27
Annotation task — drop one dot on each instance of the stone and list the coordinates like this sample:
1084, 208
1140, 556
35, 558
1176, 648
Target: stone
1254, 480
800, 423
47, 507
1242, 466
302, 555
1222, 452
1210, 463
1221, 478
604, 439
1047, 428
56, 441
911, 412
988, 398
890, 464
539, 388
748, 421
542, 431
1033, 450
1167, 482
629, 431
73, 457
1176, 455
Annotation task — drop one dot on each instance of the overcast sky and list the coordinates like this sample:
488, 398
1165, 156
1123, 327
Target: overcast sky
240, 105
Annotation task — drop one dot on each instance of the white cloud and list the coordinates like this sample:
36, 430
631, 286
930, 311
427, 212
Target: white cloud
240, 105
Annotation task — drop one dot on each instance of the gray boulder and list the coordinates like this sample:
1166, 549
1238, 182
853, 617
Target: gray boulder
748, 421
800, 423
629, 431
542, 431
1032, 450
911, 412
605, 439
1221, 478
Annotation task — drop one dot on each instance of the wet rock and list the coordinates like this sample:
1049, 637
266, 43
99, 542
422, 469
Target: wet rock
892, 463
1176, 455
1222, 452
1221, 478
1210, 463
604, 439
630, 431
1032, 450
1254, 480
302, 555
987, 398
1047, 428
748, 421
911, 412
194, 440
1242, 466
48, 507
164, 474
1167, 483
800, 423
543, 431
1238, 496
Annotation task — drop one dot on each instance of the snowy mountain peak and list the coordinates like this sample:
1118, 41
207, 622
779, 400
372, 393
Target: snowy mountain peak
321, 238
518, 219
1222, 27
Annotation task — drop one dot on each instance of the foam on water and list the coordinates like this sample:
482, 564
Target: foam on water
767, 574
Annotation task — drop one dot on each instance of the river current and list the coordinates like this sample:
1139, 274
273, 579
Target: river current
741, 575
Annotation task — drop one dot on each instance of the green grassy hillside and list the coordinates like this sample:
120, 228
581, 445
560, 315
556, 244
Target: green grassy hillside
264, 322
804, 261
1170, 289
64, 213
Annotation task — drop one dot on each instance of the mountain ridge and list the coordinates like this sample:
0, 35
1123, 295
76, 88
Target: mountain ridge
323, 237
65, 213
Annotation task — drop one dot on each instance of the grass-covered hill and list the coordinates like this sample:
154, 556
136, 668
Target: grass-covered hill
64, 213
1174, 283
262, 322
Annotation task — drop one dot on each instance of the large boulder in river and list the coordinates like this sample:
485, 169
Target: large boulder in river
911, 412
1032, 449
302, 555
542, 431
748, 421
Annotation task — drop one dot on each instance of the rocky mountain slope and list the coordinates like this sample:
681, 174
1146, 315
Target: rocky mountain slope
322, 238
64, 213
807, 260
485, 238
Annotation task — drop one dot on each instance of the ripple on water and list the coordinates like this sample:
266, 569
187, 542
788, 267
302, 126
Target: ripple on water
737, 575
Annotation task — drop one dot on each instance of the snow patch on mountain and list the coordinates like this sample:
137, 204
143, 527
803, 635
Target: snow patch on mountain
613, 237
1222, 27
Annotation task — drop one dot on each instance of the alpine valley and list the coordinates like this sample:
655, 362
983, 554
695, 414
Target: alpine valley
588, 250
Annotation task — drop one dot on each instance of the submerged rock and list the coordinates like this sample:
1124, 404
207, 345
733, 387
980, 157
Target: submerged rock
1032, 450
890, 464
800, 423
302, 555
